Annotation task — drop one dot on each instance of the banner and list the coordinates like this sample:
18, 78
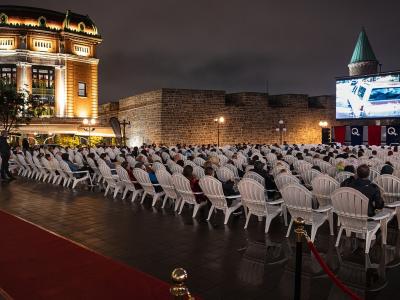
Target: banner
392, 134
339, 134
116, 127
356, 135
374, 135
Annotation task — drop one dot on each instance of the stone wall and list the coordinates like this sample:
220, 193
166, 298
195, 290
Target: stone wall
171, 116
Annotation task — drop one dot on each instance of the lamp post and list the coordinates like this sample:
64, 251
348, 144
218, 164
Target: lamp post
124, 123
281, 129
219, 121
90, 127
324, 132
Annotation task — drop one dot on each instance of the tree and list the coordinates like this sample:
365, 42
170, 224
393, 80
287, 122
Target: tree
17, 107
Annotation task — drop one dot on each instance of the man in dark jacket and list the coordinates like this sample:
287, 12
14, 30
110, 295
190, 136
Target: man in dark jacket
365, 186
5, 156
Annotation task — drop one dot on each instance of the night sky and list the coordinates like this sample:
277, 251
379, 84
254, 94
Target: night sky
297, 46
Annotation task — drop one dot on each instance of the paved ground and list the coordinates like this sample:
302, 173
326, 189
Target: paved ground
223, 262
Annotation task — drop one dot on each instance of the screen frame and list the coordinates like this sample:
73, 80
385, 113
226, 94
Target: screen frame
359, 77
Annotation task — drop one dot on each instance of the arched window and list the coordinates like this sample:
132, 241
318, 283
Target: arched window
81, 26
3, 18
42, 21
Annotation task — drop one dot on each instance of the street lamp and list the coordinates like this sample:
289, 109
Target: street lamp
219, 121
323, 124
90, 127
124, 123
281, 129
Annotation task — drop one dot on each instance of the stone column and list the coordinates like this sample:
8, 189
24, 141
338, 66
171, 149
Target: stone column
60, 92
24, 77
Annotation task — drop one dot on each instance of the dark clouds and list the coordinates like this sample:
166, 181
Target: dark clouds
234, 45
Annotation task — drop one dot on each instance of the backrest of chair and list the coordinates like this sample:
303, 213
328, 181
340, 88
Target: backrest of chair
233, 169
105, 170
284, 179
37, 162
165, 180
144, 180
182, 186
255, 176
212, 189
65, 167
199, 161
302, 166
323, 186
224, 174
342, 176
298, 200
175, 168
351, 206
190, 163
122, 174
253, 196
198, 172
373, 174
390, 187
158, 166
309, 175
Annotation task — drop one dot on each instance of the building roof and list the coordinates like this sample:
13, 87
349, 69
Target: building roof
363, 50
24, 16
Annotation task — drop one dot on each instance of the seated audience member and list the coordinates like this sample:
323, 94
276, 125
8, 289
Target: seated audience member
103, 156
365, 186
128, 169
340, 166
180, 162
194, 183
71, 165
387, 169
269, 181
316, 168
227, 187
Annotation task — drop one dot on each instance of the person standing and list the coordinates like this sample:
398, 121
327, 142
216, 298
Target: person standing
5, 156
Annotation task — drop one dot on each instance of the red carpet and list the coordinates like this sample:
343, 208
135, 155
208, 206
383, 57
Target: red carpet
36, 264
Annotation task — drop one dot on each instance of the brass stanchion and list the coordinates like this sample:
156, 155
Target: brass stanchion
179, 290
299, 230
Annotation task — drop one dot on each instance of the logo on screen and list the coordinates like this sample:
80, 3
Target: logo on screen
391, 131
354, 131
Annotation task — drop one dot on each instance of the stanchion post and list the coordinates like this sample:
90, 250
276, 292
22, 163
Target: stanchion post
179, 290
299, 230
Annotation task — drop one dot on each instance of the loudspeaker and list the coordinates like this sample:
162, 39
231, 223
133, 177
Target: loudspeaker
326, 135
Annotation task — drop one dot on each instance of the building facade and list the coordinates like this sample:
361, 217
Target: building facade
52, 56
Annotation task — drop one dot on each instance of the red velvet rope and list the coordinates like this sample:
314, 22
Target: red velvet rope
332, 276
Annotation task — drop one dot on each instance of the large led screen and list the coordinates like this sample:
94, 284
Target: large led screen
368, 97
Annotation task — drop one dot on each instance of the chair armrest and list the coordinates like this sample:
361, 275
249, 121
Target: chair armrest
156, 184
271, 190
78, 172
233, 197
393, 204
323, 209
275, 202
198, 193
383, 214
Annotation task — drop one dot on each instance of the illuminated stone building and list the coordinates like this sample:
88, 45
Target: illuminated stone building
52, 55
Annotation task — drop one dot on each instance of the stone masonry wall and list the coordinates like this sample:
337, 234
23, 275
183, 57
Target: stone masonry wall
171, 116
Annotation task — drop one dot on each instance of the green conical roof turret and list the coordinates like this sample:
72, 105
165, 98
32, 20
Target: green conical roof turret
363, 50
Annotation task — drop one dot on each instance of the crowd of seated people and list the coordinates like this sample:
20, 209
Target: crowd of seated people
254, 157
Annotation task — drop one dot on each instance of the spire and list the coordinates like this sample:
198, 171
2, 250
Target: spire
363, 50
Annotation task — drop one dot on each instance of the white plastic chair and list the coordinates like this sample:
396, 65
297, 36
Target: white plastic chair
255, 176
298, 200
351, 206
72, 175
198, 172
390, 188
342, 176
253, 199
165, 180
128, 185
182, 186
144, 180
309, 175
212, 189
224, 174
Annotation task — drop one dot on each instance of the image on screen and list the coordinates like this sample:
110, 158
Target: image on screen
368, 97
